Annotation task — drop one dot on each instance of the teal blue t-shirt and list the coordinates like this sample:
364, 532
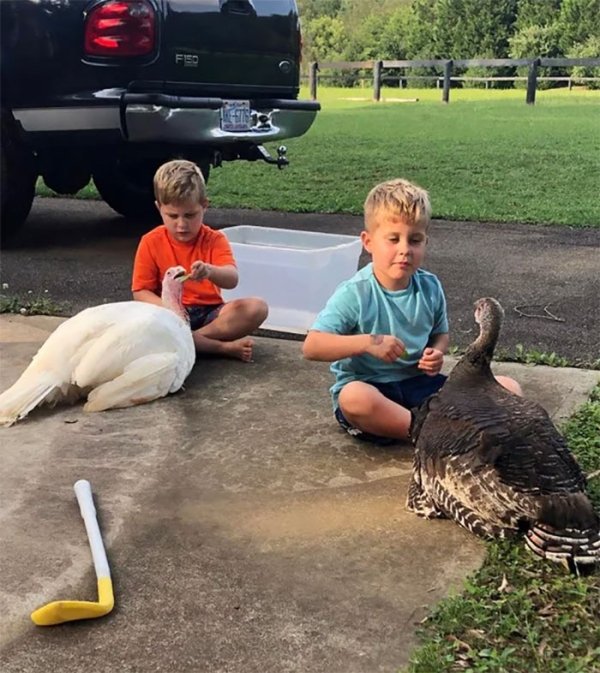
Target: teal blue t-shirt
361, 306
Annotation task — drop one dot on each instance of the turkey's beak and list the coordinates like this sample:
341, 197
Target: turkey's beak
182, 277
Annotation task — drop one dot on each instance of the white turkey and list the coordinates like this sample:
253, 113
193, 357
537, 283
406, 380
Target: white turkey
496, 464
117, 354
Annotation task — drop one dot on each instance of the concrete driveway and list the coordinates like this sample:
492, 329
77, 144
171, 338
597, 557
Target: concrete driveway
245, 532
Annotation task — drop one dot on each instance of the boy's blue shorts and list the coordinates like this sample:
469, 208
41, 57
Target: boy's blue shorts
202, 315
408, 393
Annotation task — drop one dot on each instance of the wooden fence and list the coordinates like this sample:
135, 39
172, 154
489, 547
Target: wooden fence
447, 66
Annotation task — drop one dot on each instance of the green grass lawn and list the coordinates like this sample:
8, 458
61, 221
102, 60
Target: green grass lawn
481, 157
486, 156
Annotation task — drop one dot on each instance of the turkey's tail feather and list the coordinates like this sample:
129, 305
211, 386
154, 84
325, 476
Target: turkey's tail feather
568, 530
143, 380
579, 547
27, 393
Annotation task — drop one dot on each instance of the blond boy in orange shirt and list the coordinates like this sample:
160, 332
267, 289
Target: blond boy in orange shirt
218, 327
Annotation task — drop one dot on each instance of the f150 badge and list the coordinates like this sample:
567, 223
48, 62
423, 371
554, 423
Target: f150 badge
186, 60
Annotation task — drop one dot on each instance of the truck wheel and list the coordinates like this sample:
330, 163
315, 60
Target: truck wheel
17, 181
127, 188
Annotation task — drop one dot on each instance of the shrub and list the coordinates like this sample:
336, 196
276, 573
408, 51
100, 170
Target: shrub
588, 49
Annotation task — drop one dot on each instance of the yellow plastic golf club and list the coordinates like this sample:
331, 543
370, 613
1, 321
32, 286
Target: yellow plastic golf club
58, 612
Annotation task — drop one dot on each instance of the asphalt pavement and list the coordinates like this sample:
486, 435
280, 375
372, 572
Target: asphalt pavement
546, 277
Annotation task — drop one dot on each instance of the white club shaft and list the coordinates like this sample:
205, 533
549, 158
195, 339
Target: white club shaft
83, 491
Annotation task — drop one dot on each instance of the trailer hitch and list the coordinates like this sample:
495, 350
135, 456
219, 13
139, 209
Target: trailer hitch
249, 152
281, 160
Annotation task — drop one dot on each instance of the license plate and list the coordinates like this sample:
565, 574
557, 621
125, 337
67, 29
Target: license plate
235, 115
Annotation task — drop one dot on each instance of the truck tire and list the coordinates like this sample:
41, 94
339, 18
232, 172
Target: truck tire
17, 180
127, 187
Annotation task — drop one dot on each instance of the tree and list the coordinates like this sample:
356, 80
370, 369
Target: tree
448, 28
536, 13
474, 27
534, 41
588, 49
419, 36
365, 42
355, 11
456, 29
460, 28
578, 20
314, 9
393, 39
325, 39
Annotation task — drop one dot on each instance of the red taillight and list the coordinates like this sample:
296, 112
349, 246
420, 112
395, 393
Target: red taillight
125, 28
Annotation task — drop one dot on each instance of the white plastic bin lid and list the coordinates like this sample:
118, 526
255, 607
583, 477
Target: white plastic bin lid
286, 238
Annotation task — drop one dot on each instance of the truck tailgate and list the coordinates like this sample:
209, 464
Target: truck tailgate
245, 43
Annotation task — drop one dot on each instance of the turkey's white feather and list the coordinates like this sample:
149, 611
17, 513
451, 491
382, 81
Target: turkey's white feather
119, 354
143, 380
143, 329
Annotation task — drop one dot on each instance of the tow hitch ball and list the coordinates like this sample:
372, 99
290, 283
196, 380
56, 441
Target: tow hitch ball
281, 160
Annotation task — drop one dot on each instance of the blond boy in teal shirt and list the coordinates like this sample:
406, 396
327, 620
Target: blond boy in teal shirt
386, 329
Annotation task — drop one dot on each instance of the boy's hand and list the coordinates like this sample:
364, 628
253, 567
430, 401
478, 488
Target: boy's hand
431, 361
200, 270
386, 347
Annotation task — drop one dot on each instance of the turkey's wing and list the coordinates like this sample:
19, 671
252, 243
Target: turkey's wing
515, 436
126, 341
143, 380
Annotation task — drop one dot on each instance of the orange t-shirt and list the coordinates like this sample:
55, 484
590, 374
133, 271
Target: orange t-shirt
157, 251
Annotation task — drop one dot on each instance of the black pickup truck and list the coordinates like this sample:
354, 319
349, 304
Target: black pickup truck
110, 89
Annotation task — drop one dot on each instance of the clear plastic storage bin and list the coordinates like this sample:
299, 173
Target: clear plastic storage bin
295, 272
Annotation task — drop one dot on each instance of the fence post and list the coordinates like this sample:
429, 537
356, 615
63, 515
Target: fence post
377, 65
532, 81
447, 81
313, 75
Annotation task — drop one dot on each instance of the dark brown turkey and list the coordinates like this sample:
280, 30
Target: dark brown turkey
496, 464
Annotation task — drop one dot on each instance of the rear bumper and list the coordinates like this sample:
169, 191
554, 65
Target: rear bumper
143, 118
179, 119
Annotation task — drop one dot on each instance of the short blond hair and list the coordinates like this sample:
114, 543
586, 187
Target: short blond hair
179, 180
398, 197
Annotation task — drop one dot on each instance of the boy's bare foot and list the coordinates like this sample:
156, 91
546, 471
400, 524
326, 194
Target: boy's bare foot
240, 349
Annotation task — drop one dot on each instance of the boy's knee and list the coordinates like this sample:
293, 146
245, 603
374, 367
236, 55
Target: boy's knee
253, 309
353, 401
261, 309
256, 310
